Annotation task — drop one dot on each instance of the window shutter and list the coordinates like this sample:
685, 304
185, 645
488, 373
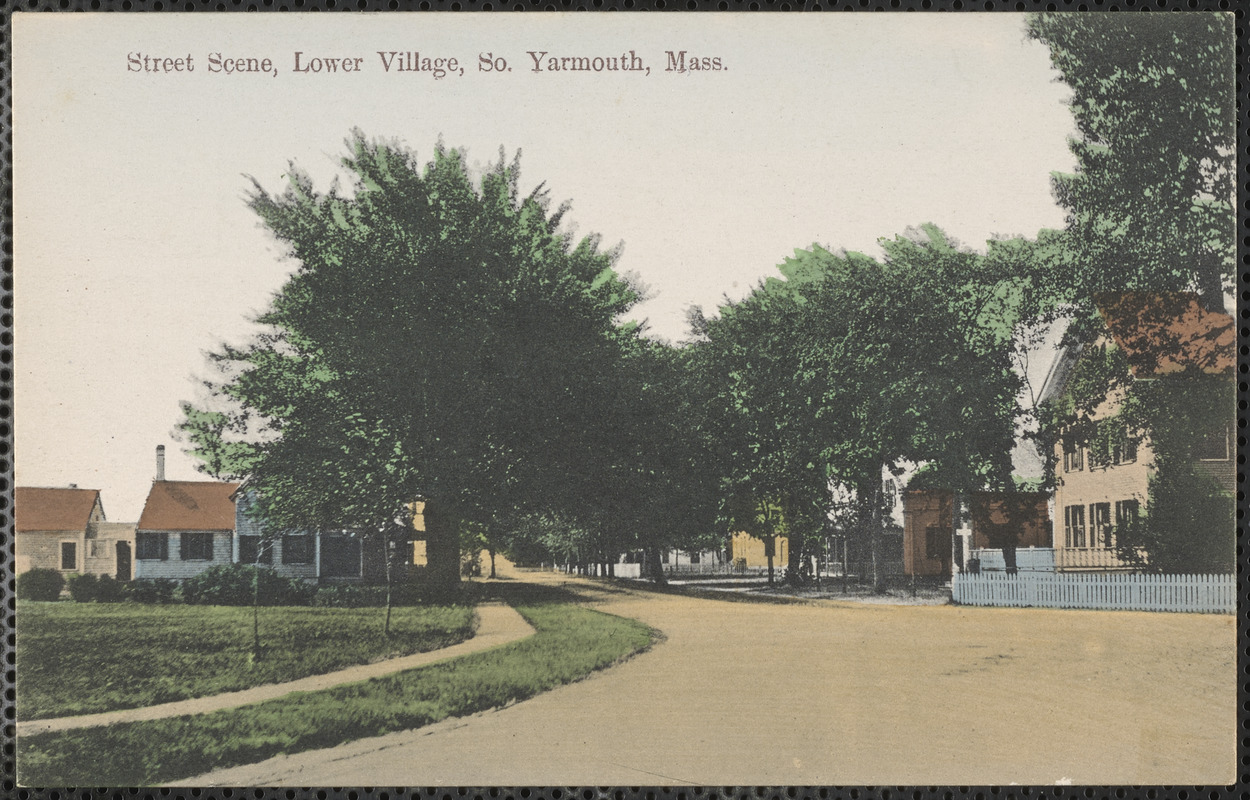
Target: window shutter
212, 541
164, 540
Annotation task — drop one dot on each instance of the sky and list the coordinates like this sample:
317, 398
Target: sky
135, 253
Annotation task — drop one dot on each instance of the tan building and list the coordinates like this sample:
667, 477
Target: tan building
1101, 484
65, 529
928, 518
748, 551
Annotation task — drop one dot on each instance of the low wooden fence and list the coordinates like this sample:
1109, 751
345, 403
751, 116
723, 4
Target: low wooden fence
1206, 594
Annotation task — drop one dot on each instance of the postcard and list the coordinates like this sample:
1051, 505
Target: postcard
589, 399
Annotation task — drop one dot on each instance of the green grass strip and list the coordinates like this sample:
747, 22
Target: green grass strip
571, 642
83, 658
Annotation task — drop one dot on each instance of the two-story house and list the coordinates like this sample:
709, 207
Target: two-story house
1102, 469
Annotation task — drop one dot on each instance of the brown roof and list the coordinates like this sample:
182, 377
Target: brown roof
1168, 333
53, 509
189, 506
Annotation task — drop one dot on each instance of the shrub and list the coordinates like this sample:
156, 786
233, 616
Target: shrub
232, 585
346, 595
151, 590
109, 590
353, 595
82, 587
40, 584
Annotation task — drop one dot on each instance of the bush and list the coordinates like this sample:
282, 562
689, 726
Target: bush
232, 585
347, 595
151, 590
82, 587
40, 584
354, 595
109, 590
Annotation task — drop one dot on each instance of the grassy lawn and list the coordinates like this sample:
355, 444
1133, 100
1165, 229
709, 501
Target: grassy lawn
79, 658
571, 642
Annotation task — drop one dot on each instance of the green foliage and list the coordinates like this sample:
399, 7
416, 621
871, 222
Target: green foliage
1190, 523
235, 585
1150, 205
571, 642
1189, 527
89, 588
110, 590
852, 365
209, 436
87, 658
440, 339
82, 588
151, 590
352, 595
40, 584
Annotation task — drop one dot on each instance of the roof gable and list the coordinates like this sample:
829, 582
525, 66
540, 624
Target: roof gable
39, 509
1163, 334
189, 506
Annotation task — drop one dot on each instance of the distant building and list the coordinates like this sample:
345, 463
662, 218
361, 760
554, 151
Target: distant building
185, 528
64, 529
995, 518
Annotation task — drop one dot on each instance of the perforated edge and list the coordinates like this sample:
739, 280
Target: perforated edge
8, 785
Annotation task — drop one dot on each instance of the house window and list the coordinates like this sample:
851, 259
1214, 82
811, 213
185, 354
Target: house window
196, 546
1215, 446
1126, 513
340, 557
1123, 447
69, 555
1073, 456
297, 549
248, 547
1100, 525
889, 491
1074, 526
936, 540
151, 546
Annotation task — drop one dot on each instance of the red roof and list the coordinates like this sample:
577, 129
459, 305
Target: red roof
1167, 333
189, 506
53, 509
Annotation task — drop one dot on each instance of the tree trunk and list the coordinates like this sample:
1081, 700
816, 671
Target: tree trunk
794, 560
386, 560
256, 612
846, 564
876, 523
956, 519
770, 550
655, 569
492, 562
442, 548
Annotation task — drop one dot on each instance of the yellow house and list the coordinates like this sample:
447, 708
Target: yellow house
753, 553
1102, 484
418, 538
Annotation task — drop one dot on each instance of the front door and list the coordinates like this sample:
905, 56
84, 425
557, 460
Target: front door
123, 561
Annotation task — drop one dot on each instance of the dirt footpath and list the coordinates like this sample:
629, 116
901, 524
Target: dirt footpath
752, 693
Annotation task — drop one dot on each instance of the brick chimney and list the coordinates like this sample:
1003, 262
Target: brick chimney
160, 462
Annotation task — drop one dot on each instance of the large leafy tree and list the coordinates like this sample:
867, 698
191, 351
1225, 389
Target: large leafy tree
773, 479
441, 338
1150, 205
913, 354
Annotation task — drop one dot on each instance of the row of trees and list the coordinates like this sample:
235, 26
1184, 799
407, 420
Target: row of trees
443, 338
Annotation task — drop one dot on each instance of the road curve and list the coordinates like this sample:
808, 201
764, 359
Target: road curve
751, 694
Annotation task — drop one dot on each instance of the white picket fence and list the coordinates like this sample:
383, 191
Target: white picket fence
1206, 594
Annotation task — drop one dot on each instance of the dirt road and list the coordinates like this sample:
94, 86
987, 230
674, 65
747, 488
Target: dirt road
745, 693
